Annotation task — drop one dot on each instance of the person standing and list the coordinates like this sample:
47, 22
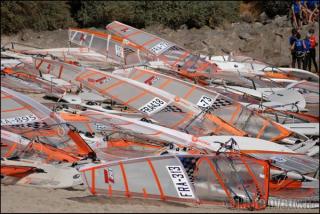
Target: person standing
292, 39
298, 47
307, 59
313, 44
305, 12
296, 14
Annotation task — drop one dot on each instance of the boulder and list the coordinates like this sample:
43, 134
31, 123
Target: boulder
281, 21
264, 19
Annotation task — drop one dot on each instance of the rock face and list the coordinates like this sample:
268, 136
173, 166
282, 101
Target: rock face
266, 41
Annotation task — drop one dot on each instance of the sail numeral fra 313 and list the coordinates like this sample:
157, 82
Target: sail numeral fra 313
180, 182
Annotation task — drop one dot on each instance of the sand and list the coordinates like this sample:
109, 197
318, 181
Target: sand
31, 199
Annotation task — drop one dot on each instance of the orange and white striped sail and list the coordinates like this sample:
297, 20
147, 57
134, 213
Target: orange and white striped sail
131, 129
100, 122
219, 105
70, 55
28, 118
240, 181
114, 48
25, 78
167, 109
175, 57
14, 145
115, 137
18, 84
103, 123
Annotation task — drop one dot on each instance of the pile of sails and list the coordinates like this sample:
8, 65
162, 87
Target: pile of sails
129, 114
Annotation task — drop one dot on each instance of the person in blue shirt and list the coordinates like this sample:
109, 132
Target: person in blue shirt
299, 48
305, 12
292, 39
296, 14
307, 58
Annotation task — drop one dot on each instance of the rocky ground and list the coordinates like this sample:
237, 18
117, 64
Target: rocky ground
265, 40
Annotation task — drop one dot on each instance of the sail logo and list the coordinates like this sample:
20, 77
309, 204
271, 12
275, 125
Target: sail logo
108, 176
154, 105
83, 37
151, 80
125, 30
102, 80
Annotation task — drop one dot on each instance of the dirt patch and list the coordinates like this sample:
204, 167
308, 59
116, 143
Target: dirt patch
30, 199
